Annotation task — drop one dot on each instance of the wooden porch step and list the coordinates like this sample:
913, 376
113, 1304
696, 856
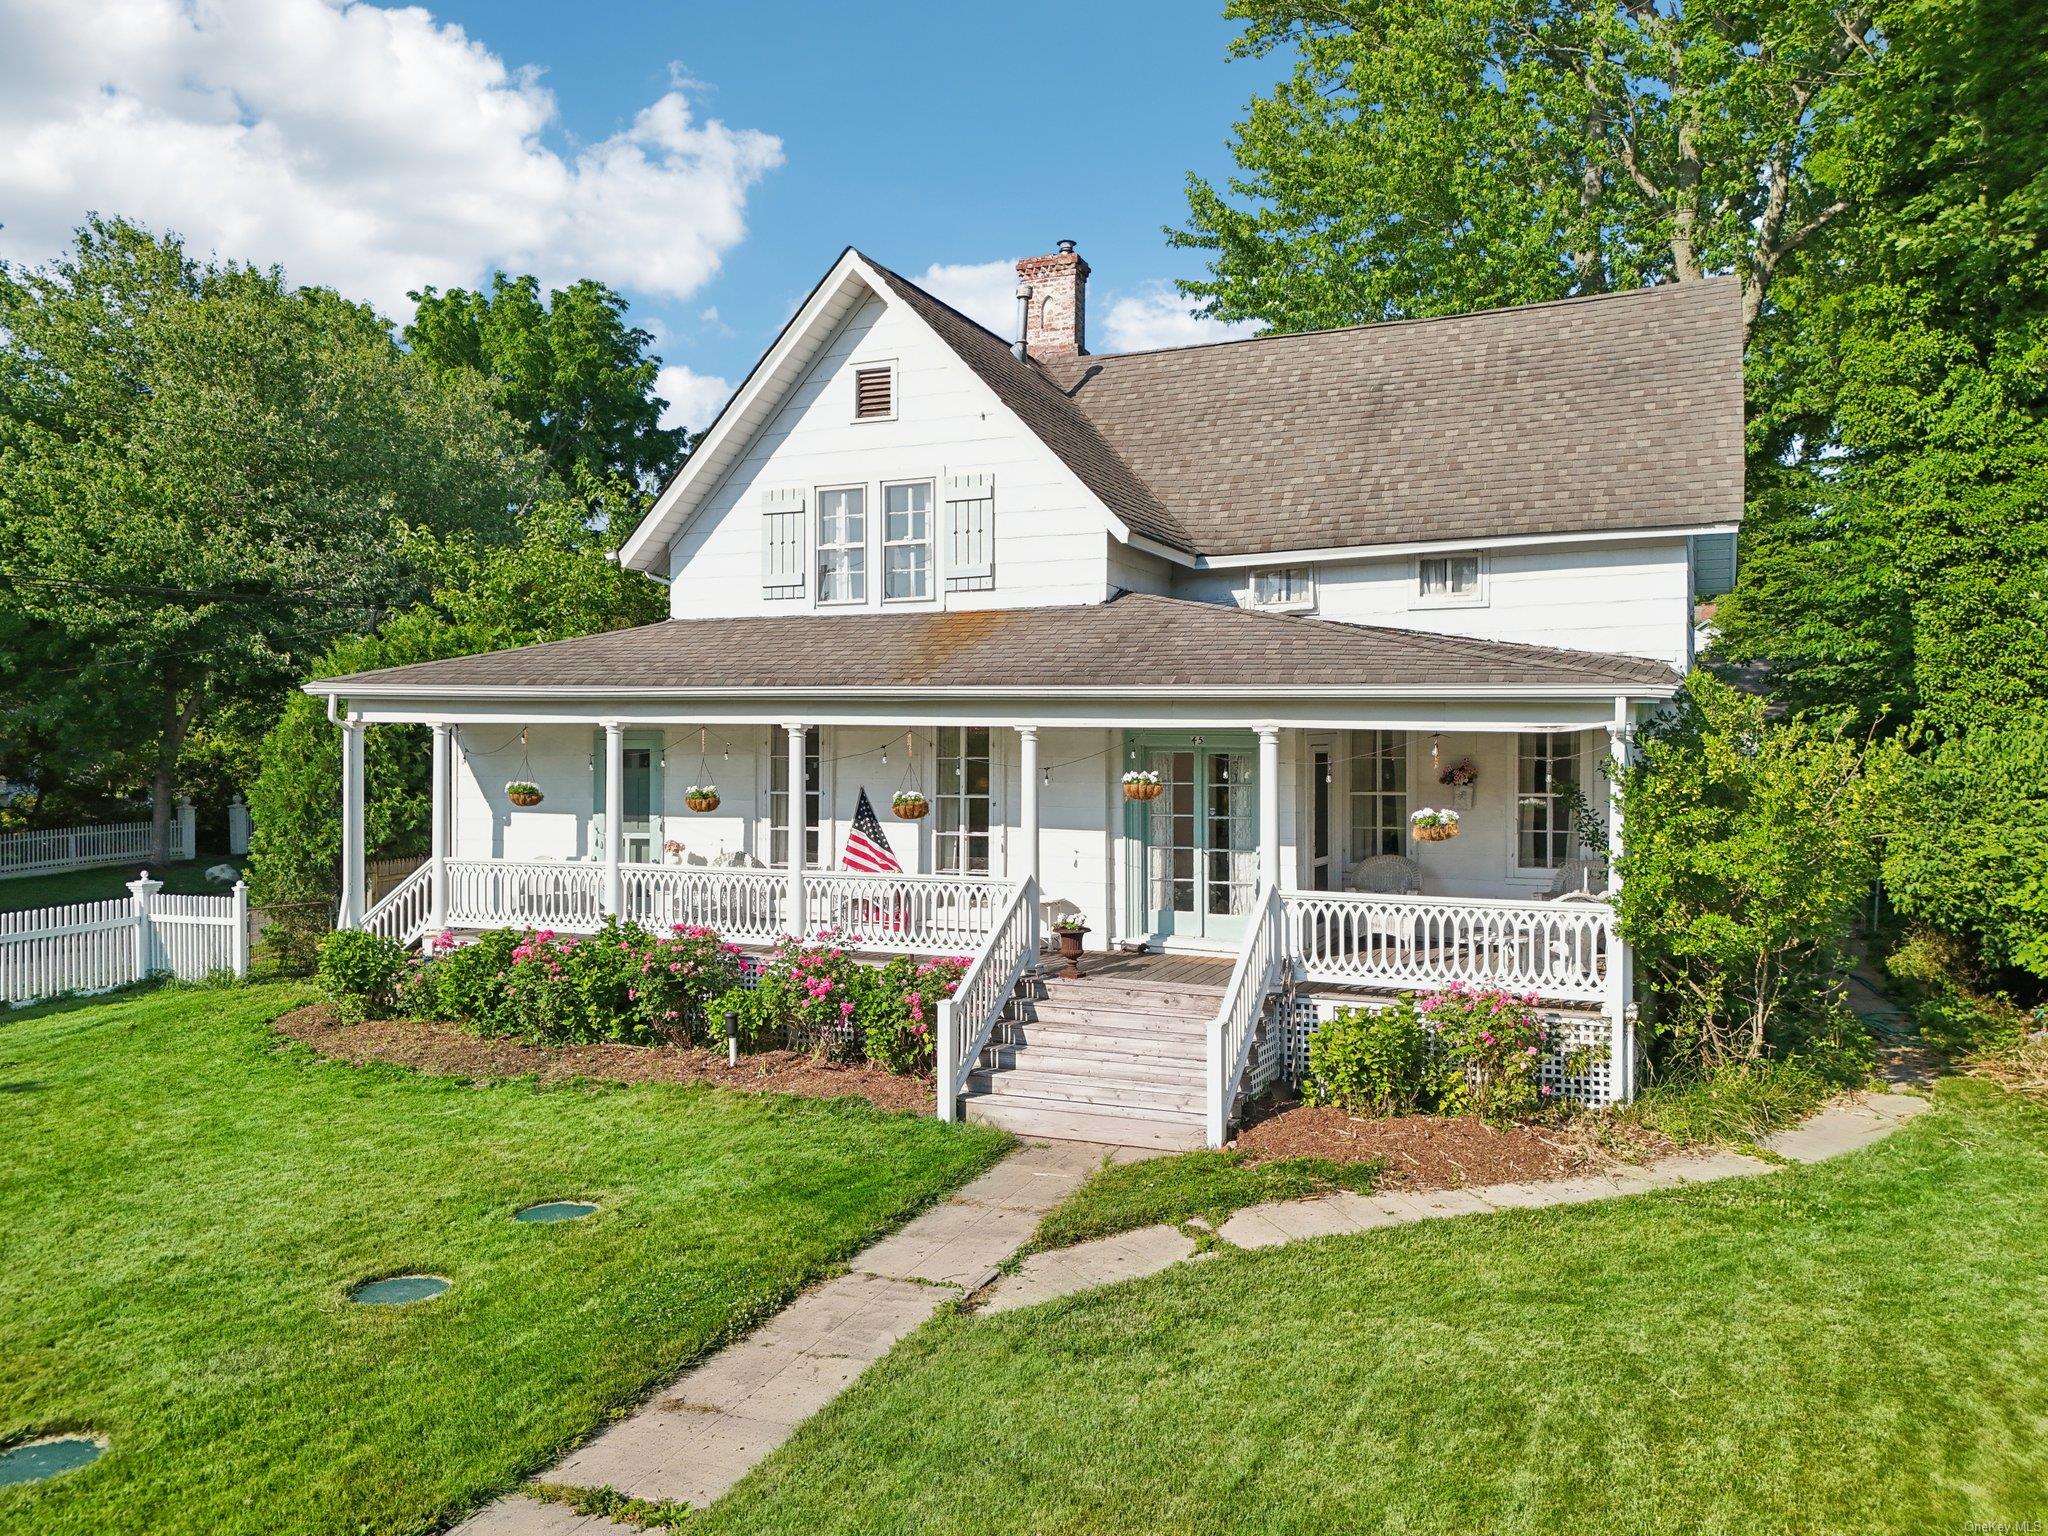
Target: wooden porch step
1113, 1045
1111, 1018
1089, 1089
1076, 1061
1054, 1120
1127, 996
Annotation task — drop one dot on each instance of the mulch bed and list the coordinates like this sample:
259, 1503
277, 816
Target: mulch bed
1422, 1151
443, 1049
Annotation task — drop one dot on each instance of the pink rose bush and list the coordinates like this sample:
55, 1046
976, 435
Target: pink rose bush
1463, 1050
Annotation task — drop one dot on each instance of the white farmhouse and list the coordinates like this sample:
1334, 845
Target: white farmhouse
1316, 584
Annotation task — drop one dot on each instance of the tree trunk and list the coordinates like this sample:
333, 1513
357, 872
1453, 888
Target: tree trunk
163, 786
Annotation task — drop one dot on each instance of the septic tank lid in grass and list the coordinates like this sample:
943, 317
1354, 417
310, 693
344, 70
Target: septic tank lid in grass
556, 1210
40, 1460
398, 1290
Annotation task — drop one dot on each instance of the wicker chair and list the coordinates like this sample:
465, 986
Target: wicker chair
1386, 874
1579, 879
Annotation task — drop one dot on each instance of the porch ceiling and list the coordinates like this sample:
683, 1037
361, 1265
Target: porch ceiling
1135, 645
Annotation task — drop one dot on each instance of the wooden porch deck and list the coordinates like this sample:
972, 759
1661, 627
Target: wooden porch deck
1188, 973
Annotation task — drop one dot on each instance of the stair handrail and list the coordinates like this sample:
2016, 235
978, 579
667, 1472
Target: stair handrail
403, 912
967, 1018
1253, 979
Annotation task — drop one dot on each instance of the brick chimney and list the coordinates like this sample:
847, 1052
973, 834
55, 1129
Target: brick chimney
1055, 319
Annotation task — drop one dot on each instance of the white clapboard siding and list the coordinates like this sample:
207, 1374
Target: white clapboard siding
94, 946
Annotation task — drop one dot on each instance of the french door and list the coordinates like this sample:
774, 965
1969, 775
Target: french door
1199, 841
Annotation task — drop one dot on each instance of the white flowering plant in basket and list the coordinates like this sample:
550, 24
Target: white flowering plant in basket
1142, 784
1433, 826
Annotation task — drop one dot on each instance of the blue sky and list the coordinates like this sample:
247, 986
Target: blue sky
709, 160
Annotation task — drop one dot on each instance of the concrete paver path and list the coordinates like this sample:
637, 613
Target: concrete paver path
707, 1429
1853, 1121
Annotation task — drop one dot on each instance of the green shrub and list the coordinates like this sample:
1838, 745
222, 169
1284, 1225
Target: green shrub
361, 972
682, 975
1492, 1044
1955, 1009
1751, 847
465, 984
813, 992
899, 1010
1737, 1102
1370, 1061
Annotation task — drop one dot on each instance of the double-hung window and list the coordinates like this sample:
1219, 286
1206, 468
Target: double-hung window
1379, 794
1547, 772
843, 545
778, 799
966, 801
906, 541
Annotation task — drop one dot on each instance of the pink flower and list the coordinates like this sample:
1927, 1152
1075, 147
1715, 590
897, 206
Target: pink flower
632, 994
846, 1010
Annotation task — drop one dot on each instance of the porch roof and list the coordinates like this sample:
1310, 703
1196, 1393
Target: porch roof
1136, 643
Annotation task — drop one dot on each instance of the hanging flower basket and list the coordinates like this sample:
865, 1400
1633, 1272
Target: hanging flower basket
523, 792
1142, 784
910, 805
1460, 775
1428, 826
701, 797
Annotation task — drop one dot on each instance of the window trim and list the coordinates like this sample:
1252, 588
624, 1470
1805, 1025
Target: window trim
960, 838
930, 541
853, 373
819, 548
1576, 756
1305, 604
1398, 751
1478, 597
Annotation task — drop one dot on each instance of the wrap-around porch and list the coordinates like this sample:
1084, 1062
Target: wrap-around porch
1284, 850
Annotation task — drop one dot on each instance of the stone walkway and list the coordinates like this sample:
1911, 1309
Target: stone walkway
711, 1426
707, 1429
1854, 1121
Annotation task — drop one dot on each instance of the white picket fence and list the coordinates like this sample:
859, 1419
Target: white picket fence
53, 850
94, 946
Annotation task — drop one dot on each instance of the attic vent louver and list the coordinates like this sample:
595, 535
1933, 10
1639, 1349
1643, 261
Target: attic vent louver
873, 392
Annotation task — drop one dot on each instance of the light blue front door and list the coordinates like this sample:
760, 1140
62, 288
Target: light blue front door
1197, 844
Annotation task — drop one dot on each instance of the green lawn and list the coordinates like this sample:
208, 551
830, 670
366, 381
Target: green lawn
1857, 1346
184, 1203
109, 882
1122, 1196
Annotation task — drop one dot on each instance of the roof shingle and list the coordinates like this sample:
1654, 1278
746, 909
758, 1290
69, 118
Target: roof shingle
1185, 645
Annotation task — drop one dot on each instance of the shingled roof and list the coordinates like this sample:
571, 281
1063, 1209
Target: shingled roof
1601, 414
1187, 645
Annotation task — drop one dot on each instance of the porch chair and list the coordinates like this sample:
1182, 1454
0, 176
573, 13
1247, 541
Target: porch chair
1385, 874
1576, 881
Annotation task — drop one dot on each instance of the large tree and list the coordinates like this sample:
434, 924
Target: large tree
569, 369
1430, 156
1896, 554
206, 477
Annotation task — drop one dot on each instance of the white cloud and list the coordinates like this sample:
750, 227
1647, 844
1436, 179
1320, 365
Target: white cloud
1156, 316
373, 150
985, 291
693, 398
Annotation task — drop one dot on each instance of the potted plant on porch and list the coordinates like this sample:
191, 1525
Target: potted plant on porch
1071, 931
522, 792
1429, 826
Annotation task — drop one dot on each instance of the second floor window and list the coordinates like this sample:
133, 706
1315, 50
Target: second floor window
907, 541
1448, 579
1287, 586
843, 545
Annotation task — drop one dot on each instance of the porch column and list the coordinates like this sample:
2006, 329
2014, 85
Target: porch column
1269, 806
437, 890
352, 883
799, 822
1620, 980
1027, 817
614, 813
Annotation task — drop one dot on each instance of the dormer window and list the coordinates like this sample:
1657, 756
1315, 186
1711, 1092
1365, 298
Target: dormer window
1284, 588
1442, 580
874, 392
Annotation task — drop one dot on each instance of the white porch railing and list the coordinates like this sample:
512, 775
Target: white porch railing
746, 906
504, 893
1557, 950
1261, 959
966, 1018
401, 913
918, 914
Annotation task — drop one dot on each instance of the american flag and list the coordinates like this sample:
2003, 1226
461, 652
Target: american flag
867, 845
